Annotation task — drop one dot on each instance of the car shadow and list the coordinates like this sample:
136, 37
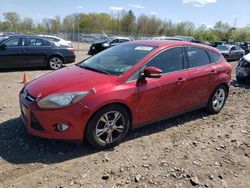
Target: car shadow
245, 84
17, 147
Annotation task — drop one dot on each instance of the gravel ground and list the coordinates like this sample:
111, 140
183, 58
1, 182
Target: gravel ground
195, 149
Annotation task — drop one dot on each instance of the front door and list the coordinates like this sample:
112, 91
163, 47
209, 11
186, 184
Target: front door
162, 97
13, 54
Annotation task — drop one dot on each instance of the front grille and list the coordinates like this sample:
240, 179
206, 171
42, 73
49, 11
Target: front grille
34, 123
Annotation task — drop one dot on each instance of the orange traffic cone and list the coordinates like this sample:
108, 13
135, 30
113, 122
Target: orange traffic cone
25, 78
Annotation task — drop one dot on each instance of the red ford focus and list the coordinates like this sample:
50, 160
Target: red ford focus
130, 85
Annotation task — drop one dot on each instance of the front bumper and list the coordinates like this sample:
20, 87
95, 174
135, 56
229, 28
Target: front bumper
42, 122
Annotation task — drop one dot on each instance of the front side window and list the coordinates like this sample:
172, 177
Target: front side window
197, 57
15, 42
168, 61
118, 59
115, 41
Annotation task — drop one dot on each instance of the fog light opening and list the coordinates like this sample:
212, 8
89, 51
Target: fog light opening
62, 127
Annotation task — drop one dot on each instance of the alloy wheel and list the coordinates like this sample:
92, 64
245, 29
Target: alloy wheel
110, 127
55, 63
219, 99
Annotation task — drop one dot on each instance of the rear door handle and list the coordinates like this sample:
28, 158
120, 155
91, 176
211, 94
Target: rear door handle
213, 72
45, 51
181, 80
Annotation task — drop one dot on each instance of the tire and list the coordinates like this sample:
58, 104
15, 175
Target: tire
226, 57
55, 63
217, 100
240, 79
103, 124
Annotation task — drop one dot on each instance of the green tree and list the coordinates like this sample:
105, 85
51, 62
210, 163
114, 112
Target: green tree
13, 18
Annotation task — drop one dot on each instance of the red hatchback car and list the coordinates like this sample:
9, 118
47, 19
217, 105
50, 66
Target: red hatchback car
130, 85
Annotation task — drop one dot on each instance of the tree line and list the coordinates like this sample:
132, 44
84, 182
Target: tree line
123, 23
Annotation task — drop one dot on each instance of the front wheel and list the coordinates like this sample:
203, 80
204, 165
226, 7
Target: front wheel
217, 100
55, 63
108, 127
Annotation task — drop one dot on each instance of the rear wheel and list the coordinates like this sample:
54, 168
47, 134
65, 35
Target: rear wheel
217, 100
108, 127
240, 79
55, 63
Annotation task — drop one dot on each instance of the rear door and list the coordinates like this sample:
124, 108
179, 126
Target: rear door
200, 74
37, 49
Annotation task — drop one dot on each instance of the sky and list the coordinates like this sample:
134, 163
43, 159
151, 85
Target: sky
197, 11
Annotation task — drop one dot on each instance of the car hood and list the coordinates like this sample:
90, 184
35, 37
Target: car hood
70, 79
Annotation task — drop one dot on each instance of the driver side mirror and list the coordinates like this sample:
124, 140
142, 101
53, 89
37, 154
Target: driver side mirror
152, 72
3, 46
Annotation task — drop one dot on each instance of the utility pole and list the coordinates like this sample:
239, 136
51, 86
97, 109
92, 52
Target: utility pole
78, 34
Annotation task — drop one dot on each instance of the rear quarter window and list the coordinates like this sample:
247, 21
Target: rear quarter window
214, 56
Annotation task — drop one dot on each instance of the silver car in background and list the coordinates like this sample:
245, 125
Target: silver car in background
231, 52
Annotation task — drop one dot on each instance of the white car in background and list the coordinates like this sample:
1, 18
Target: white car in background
58, 40
167, 38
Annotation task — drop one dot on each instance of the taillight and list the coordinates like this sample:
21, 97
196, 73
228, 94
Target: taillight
72, 50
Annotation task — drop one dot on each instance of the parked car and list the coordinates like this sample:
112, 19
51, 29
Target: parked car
99, 46
167, 38
243, 69
186, 38
124, 87
32, 51
217, 43
60, 41
245, 46
231, 52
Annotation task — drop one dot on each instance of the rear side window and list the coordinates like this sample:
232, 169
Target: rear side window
37, 42
214, 56
197, 57
168, 61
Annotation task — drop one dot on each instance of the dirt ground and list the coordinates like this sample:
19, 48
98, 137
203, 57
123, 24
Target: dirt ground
195, 149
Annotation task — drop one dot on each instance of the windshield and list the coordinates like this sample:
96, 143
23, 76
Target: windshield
3, 38
109, 40
223, 48
118, 59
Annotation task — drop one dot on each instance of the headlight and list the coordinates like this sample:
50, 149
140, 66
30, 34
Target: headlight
106, 45
61, 100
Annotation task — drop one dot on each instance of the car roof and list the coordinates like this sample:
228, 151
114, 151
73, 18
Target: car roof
171, 43
49, 36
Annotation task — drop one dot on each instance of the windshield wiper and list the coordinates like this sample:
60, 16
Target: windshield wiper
94, 69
